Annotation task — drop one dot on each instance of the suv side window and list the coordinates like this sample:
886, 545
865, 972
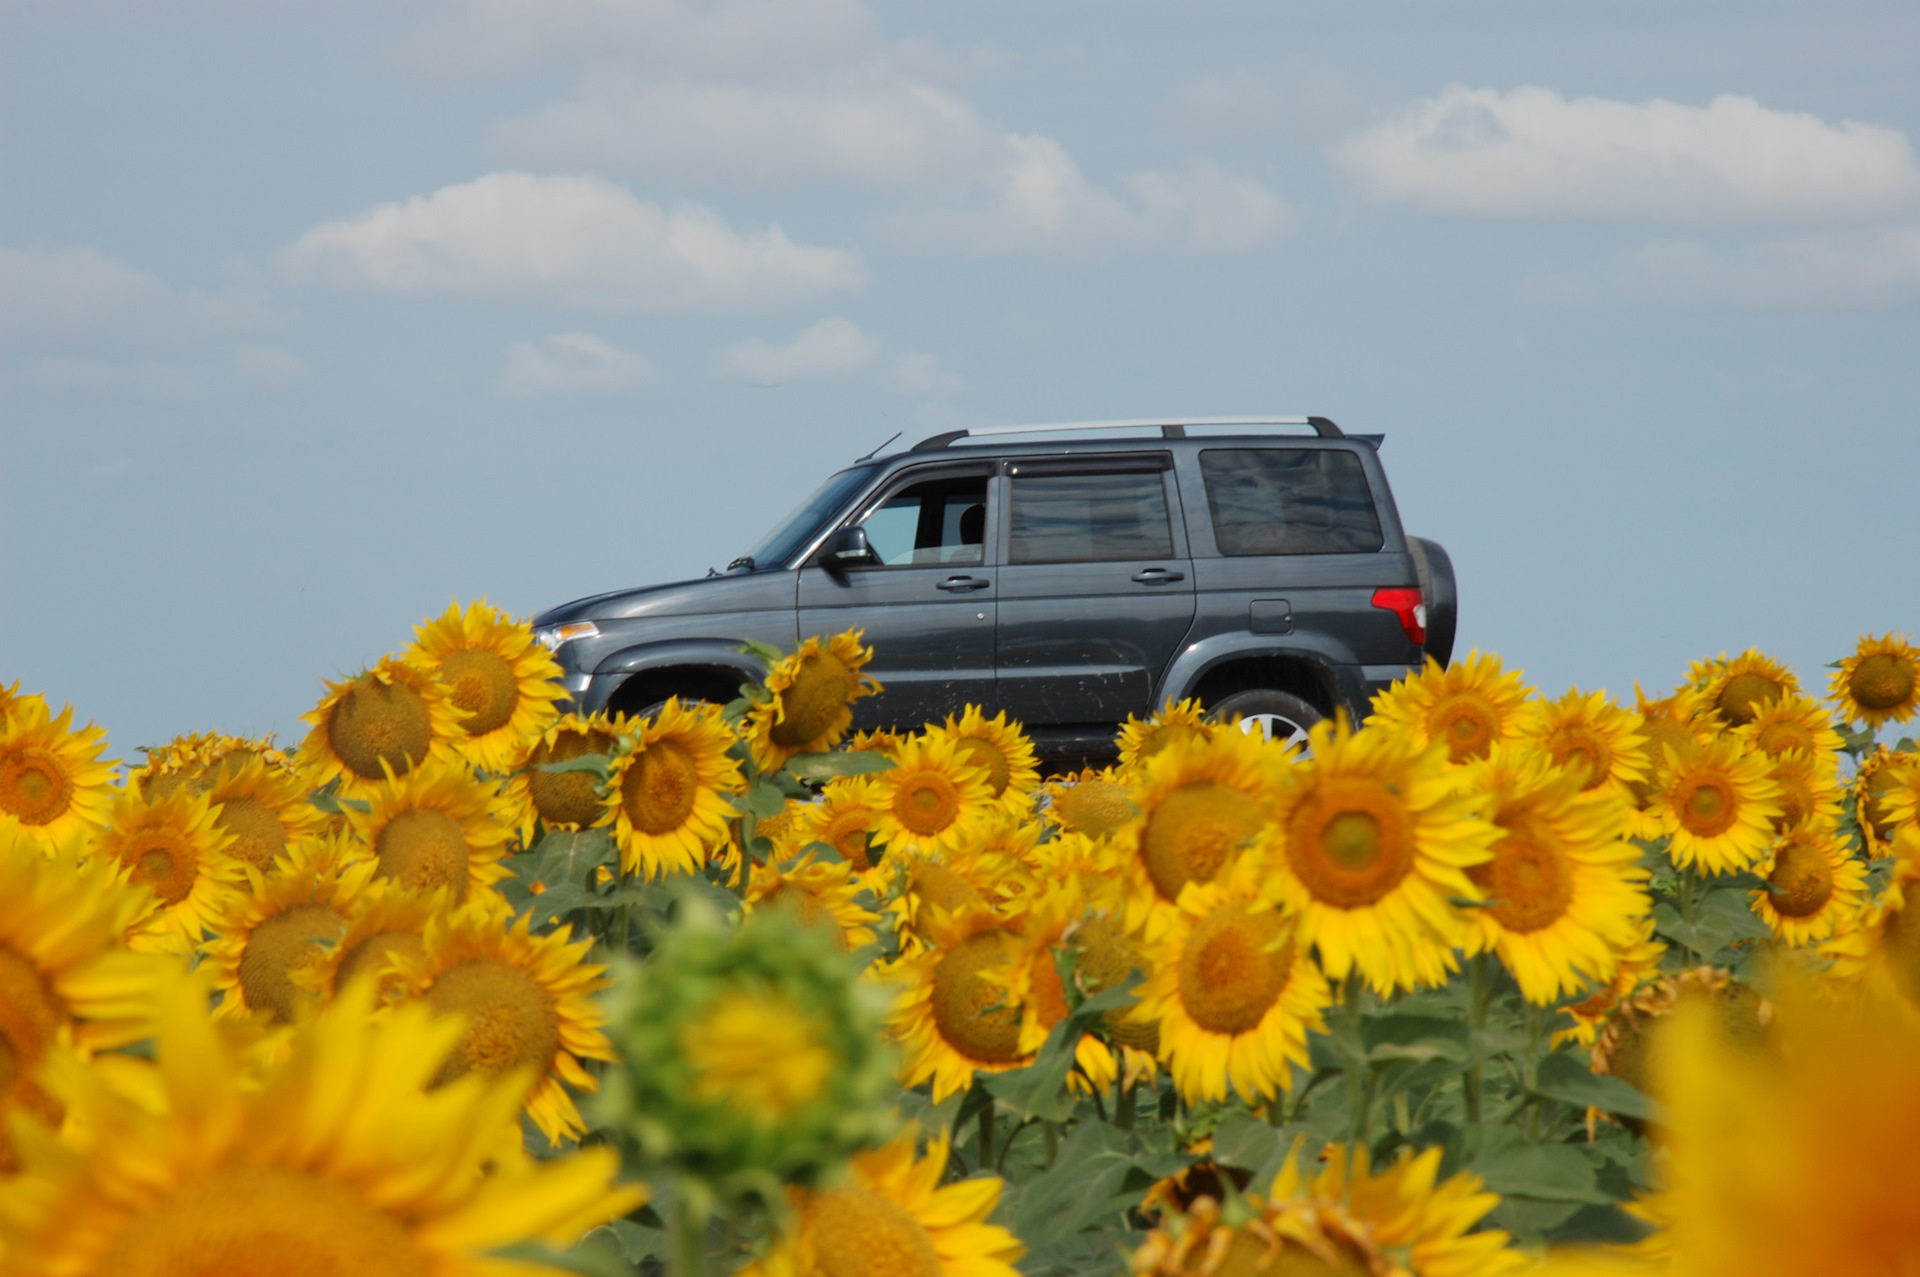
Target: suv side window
1089, 518
935, 521
1289, 501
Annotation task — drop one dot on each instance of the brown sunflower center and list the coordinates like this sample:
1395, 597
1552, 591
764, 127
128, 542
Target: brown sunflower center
1249, 1256
1802, 880
659, 787
813, 701
239, 1221
511, 1018
375, 722
1194, 831
482, 687
858, 1233
291, 939
373, 956
34, 785
258, 835
566, 798
1351, 843
807, 907
846, 833
1707, 804
1093, 807
1529, 882
30, 1017
935, 884
972, 1011
1783, 735
1467, 721
1796, 799
1233, 968
1744, 695
1105, 956
926, 802
1165, 734
1881, 682
1578, 745
163, 860
985, 755
422, 848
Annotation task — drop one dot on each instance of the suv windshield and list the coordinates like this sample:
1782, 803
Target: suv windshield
799, 527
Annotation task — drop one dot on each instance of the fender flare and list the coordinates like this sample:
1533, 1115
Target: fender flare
617, 667
1323, 656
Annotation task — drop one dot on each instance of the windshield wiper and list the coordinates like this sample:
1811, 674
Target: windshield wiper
744, 561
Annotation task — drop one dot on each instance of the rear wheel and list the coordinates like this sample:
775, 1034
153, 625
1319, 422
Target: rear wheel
1279, 716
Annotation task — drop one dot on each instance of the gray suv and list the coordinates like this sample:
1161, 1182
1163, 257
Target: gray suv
1070, 581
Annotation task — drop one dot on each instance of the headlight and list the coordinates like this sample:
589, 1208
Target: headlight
554, 637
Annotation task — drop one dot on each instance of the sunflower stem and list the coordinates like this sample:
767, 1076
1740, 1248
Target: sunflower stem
1123, 1088
1356, 1063
687, 1237
986, 1135
1475, 1080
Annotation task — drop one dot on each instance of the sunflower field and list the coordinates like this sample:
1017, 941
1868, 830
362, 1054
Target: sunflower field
1491, 983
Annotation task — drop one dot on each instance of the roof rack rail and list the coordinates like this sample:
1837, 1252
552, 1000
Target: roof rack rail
1174, 428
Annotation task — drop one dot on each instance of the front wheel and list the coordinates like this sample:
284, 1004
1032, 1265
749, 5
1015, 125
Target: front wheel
1277, 716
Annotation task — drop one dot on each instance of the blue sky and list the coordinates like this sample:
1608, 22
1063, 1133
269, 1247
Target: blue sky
313, 317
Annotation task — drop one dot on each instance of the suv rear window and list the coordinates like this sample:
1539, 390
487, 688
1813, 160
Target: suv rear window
1289, 501
1089, 518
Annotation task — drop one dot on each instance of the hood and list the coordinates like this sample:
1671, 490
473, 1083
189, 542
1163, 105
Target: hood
736, 591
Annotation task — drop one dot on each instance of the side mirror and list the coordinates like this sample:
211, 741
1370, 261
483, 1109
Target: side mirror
847, 547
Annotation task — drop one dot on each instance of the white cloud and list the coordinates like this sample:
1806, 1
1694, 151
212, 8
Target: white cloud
1831, 271
575, 242
481, 37
830, 348
1531, 153
890, 132
1038, 201
926, 376
572, 364
81, 297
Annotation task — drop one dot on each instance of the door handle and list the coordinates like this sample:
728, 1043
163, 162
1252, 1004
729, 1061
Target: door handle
961, 584
1157, 576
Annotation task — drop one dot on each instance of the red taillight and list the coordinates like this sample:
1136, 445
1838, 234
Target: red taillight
1405, 602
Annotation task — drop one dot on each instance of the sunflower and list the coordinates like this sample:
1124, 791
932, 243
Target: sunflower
998, 747
1737, 688
1232, 990
1673, 725
969, 877
1883, 777
1881, 946
67, 979
263, 807
955, 1014
502, 683
342, 1160
563, 800
382, 722
1719, 804
1793, 724
174, 848
881, 740
1094, 803
1634, 964
1810, 790
893, 1216
932, 800
52, 778
1634, 1043
436, 826
263, 937
1177, 721
1814, 885
1105, 954
1879, 683
810, 696
1564, 890
822, 893
385, 921
1403, 1221
12, 702
186, 759
666, 798
1202, 803
1373, 841
842, 819
1472, 705
1606, 743
528, 1004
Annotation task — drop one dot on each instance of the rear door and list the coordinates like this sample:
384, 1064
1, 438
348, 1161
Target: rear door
927, 606
1096, 592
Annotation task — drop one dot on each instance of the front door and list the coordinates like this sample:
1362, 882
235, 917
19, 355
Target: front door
927, 603
1097, 591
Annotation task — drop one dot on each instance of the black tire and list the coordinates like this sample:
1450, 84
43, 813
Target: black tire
1277, 715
